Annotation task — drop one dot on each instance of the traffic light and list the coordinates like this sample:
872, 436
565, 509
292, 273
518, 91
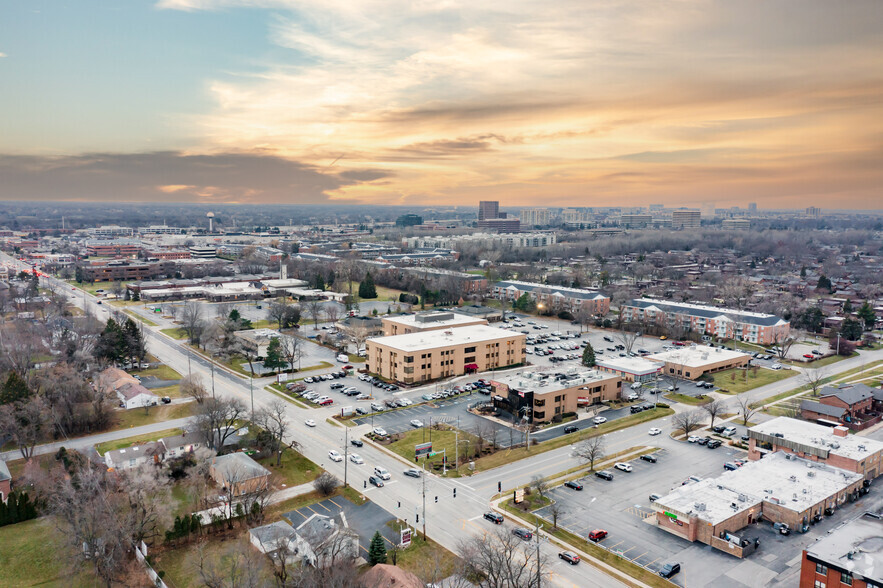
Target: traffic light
418, 518
499, 486
436, 499
366, 483
455, 493
400, 504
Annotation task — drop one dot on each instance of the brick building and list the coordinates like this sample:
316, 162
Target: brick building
694, 361
833, 446
851, 555
853, 405
239, 474
426, 321
573, 300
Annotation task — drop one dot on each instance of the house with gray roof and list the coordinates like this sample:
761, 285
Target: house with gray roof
552, 297
239, 474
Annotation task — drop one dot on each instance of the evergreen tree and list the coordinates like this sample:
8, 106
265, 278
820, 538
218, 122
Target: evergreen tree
851, 329
136, 296
15, 388
867, 314
366, 287
847, 307
78, 275
234, 316
111, 343
589, 356
133, 337
319, 282
274, 359
377, 550
824, 283
803, 271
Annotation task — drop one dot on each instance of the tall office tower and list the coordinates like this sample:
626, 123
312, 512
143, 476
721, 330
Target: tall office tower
686, 219
488, 209
752, 206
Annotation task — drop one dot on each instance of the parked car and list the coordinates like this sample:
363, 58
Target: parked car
380, 431
729, 466
623, 466
693, 439
569, 557
604, 475
494, 517
654, 497
166, 400
416, 423
649, 457
782, 528
570, 429
598, 420
729, 431
715, 443
573, 484
669, 570
326, 401
597, 535
703, 440
719, 428
809, 356
522, 533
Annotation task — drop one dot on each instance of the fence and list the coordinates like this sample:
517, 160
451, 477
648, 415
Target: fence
151, 573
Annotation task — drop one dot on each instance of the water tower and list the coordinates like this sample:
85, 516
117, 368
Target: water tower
210, 216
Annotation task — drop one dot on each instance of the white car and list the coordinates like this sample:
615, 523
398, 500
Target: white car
335, 456
599, 420
380, 432
625, 467
310, 423
356, 458
693, 438
655, 431
405, 402
417, 423
776, 366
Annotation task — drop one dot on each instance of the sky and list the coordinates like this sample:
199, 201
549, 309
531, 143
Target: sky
444, 102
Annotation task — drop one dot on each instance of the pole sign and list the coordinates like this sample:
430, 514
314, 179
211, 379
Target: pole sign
406, 537
519, 495
422, 449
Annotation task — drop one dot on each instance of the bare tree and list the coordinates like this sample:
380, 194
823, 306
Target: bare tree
590, 450
326, 483
498, 559
216, 418
276, 312
539, 484
745, 408
784, 344
274, 419
194, 387
814, 379
714, 409
314, 310
239, 566
190, 315
628, 338
27, 423
149, 499
292, 350
332, 312
687, 421
556, 509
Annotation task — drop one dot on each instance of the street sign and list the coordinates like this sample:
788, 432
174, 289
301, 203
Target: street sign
422, 449
432, 454
519, 495
406, 538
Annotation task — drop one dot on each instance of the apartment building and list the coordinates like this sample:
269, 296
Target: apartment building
725, 323
554, 297
542, 395
423, 356
488, 209
535, 217
635, 220
117, 247
850, 555
736, 224
686, 219
420, 322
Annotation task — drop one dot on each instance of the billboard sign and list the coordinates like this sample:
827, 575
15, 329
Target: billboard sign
406, 537
519, 495
422, 449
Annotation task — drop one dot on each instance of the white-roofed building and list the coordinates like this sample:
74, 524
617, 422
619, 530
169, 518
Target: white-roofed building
691, 362
432, 320
630, 369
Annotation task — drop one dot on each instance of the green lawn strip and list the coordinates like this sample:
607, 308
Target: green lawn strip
568, 540
162, 372
136, 417
505, 457
338, 420
173, 391
279, 390
685, 399
353, 358
294, 470
841, 377
747, 380
174, 333
422, 556
138, 317
34, 553
443, 439
817, 363
331, 421
106, 446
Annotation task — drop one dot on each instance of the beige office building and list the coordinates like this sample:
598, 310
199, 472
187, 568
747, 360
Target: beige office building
403, 324
423, 356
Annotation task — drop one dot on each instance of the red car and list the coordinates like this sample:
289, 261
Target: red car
808, 356
597, 535
326, 402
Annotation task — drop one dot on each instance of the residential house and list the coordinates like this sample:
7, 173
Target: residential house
328, 539
389, 576
135, 456
127, 389
279, 539
852, 405
239, 474
5, 481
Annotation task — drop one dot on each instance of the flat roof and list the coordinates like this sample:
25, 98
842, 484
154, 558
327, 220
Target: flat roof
444, 338
856, 546
432, 319
819, 436
698, 356
779, 478
631, 365
542, 381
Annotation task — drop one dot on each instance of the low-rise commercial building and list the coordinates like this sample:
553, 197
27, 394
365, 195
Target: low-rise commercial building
117, 247
781, 488
832, 446
257, 341
542, 396
630, 369
573, 300
420, 357
851, 555
432, 320
691, 362
724, 323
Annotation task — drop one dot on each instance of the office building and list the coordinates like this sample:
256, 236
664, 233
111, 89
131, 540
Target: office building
425, 356
409, 220
535, 217
752, 206
694, 361
110, 231
433, 320
724, 323
736, 224
630, 369
488, 209
573, 300
850, 555
635, 221
686, 219
500, 225
203, 252
537, 239
114, 247
813, 211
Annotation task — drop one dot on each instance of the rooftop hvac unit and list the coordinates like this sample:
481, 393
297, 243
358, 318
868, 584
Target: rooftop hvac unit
835, 445
793, 478
743, 498
794, 498
810, 474
699, 506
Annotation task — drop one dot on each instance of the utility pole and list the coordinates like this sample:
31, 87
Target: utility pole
346, 439
537, 535
251, 391
212, 355
423, 477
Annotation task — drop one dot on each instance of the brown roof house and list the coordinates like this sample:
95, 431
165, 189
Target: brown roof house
127, 389
239, 474
387, 576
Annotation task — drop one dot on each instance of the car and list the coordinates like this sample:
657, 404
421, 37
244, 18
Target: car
356, 458
166, 400
381, 473
413, 472
739, 462
623, 466
714, 443
573, 484
729, 431
649, 457
729, 466
654, 497
703, 440
375, 481
310, 423
816, 352
719, 428
416, 423
633, 396
655, 431
522, 533
494, 517
708, 385
326, 401
428, 396
309, 379
570, 429
599, 420
357, 442
809, 356
776, 366
604, 475
636, 408
670, 569
338, 386
405, 402
569, 557
335, 455
342, 358
782, 528
693, 439
597, 535
380, 431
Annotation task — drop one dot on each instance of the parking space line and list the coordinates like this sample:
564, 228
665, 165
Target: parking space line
639, 556
323, 506
331, 500
651, 563
616, 544
301, 514
629, 549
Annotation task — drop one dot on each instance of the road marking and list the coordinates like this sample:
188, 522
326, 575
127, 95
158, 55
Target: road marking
475, 518
639, 556
323, 506
651, 563
301, 514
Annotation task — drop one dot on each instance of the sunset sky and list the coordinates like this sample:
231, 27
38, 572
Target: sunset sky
441, 102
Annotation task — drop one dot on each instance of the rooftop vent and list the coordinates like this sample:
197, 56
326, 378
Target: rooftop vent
699, 506
793, 478
810, 474
743, 498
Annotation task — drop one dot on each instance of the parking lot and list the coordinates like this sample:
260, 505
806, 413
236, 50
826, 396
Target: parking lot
364, 519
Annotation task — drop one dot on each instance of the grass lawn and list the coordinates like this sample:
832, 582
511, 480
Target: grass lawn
93, 288
423, 557
102, 448
173, 391
686, 399
138, 317
748, 380
164, 412
174, 333
383, 294
821, 362
33, 553
294, 470
441, 440
180, 563
162, 372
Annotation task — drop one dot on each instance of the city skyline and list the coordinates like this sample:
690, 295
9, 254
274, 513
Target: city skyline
697, 104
